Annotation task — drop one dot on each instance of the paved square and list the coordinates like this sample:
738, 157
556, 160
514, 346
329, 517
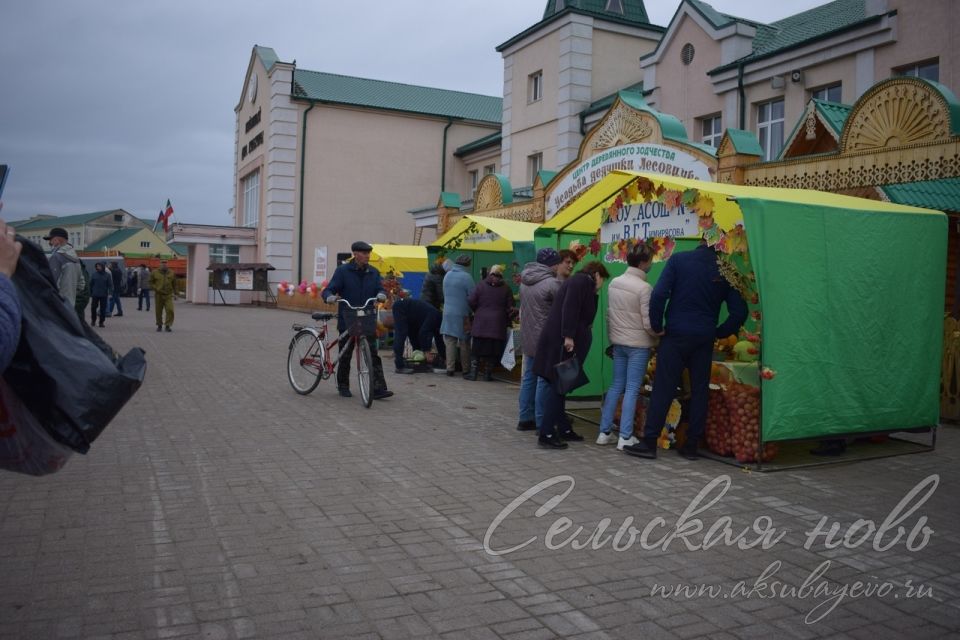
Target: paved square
220, 504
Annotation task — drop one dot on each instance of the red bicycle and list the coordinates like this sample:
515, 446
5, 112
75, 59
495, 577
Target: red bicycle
309, 358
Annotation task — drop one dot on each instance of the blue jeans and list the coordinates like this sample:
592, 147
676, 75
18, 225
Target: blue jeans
115, 303
629, 365
531, 395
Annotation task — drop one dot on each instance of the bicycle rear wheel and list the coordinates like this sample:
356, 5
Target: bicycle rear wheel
364, 371
305, 362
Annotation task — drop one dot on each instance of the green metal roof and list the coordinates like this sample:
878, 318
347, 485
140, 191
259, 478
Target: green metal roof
179, 248
633, 10
114, 239
450, 199
834, 114
745, 142
65, 221
803, 28
634, 15
546, 176
485, 141
267, 56
713, 16
942, 194
604, 103
952, 104
394, 96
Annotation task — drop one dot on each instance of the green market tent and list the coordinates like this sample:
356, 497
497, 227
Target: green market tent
488, 241
851, 293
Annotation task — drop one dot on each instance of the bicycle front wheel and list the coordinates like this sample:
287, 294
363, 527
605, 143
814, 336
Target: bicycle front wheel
364, 371
305, 362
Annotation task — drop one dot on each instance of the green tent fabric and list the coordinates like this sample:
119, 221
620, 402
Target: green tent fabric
852, 309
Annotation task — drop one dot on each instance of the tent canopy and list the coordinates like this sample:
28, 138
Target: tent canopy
399, 257
488, 234
851, 293
584, 214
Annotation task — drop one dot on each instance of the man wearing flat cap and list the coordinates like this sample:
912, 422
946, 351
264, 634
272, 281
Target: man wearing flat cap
64, 264
356, 282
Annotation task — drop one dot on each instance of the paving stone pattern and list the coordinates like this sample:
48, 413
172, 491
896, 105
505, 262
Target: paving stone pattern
221, 505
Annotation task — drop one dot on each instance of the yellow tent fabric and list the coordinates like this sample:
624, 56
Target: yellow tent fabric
583, 215
399, 257
495, 234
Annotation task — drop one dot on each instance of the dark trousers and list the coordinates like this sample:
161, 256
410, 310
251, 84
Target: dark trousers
555, 419
98, 303
115, 302
675, 354
144, 295
427, 335
343, 368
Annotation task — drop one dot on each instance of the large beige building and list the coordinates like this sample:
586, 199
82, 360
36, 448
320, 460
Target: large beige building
323, 159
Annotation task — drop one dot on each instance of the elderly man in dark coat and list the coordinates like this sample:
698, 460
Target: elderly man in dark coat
492, 304
567, 332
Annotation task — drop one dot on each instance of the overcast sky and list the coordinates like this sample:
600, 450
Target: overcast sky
122, 104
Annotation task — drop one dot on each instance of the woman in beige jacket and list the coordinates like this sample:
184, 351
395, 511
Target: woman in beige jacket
631, 337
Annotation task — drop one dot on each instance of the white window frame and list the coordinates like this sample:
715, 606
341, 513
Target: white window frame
534, 165
474, 181
715, 133
224, 253
251, 199
144, 244
535, 87
823, 93
913, 70
770, 128
490, 168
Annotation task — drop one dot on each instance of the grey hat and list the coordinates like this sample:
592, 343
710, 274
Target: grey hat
464, 260
360, 245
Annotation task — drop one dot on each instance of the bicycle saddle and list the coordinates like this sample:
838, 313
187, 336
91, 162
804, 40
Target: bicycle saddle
322, 315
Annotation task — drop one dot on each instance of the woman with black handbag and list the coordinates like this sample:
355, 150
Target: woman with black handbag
563, 347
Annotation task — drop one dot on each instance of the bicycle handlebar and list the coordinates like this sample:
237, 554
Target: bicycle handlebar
363, 306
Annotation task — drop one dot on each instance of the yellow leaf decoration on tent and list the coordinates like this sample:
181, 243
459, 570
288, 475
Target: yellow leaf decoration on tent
672, 199
632, 192
645, 188
704, 206
736, 240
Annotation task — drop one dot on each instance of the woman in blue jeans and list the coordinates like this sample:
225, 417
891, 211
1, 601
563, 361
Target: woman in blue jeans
632, 338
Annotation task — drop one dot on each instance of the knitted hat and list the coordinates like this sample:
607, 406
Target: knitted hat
548, 257
464, 260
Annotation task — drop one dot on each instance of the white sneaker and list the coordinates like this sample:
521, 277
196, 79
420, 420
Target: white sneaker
626, 442
605, 438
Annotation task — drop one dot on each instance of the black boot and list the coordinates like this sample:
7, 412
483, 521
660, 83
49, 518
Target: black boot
488, 370
472, 374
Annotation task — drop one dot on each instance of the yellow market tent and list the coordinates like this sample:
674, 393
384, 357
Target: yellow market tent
482, 233
399, 257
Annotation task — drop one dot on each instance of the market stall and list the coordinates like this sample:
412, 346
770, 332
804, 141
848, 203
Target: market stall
846, 294
406, 263
489, 241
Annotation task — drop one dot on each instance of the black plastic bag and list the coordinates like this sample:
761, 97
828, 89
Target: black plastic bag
72, 381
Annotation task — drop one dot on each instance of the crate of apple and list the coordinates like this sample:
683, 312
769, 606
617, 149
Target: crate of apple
717, 432
743, 408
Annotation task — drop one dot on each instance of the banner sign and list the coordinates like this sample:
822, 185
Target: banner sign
651, 158
642, 220
480, 238
245, 280
320, 265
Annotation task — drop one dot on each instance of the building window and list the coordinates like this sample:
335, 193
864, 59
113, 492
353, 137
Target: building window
490, 168
929, 70
534, 164
829, 93
225, 253
687, 53
615, 6
251, 199
118, 217
770, 128
144, 244
535, 87
711, 130
474, 180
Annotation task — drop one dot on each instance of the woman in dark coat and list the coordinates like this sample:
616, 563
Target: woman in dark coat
492, 304
567, 332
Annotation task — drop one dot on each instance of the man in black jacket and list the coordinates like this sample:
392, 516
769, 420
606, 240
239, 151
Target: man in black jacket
420, 323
